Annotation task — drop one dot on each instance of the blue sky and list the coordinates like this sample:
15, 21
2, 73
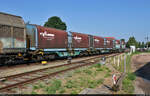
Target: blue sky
115, 18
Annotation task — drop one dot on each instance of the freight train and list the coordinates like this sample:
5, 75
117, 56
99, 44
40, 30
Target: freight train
29, 42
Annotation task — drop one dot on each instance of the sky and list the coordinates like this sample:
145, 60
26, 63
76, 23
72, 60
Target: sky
106, 18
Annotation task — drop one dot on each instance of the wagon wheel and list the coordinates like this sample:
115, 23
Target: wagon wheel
39, 58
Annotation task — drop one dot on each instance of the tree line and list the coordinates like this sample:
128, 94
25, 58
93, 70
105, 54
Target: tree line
132, 42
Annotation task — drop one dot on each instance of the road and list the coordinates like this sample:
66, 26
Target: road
141, 67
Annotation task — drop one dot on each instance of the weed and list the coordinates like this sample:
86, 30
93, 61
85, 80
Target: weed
55, 85
89, 72
97, 65
33, 92
78, 71
62, 90
131, 76
70, 75
100, 81
50, 90
128, 86
70, 84
92, 83
41, 85
35, 87
99, 69
107, 75
95, 73
74, 92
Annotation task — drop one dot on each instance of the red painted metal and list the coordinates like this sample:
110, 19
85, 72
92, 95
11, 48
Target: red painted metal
80, 40
51, 38
118, 41
98, 42
109, 42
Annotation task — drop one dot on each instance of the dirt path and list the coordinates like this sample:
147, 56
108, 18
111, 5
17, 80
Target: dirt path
141, 67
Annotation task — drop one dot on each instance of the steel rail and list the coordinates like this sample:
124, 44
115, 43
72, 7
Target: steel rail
6, 88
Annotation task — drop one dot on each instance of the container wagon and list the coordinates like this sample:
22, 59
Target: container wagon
110, 44
47, 43
21, 42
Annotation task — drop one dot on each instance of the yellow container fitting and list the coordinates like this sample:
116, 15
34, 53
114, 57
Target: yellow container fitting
44, 62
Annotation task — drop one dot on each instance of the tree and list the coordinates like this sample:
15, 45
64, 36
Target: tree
148, 43
122, 40
55, 22
132, 42
142, 45
139, 44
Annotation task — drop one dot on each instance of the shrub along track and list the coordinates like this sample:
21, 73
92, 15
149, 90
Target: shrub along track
18, 80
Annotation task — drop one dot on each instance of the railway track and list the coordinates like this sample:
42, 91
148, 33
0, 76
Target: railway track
18, 80
37, 63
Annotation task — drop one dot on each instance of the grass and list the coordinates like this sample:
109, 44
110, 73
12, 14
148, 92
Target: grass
99, 69
35, 87
33, 92
70, 84
62, 90
78, 71
128, 83
107, 75
87, 71
128, 86
131, 76
85, 77
55, 85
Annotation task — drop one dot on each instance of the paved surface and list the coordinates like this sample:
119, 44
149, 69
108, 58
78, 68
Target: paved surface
141, 67
102, 90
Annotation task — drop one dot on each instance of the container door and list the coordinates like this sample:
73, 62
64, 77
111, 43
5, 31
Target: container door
91, 41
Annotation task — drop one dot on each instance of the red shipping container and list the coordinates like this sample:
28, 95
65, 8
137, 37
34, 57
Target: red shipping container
117, 41
51, 38
109, 42
80, 40
98, 42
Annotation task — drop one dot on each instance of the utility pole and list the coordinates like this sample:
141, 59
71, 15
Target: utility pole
147, 40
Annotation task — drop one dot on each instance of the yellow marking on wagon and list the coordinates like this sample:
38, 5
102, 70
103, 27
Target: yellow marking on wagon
44, 62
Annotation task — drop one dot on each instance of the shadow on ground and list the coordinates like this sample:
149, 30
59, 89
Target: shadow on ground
144, 72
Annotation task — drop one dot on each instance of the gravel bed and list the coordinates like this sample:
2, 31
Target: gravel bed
12, 71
